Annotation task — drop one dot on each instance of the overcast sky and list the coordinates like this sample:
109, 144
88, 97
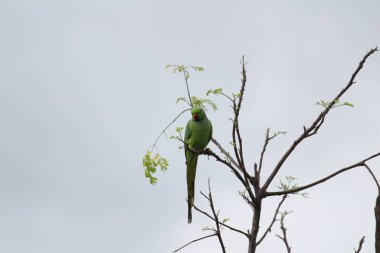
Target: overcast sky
84, 93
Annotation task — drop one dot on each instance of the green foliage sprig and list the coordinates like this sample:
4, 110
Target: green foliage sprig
337, 103
154, 161
290, 184
150, 163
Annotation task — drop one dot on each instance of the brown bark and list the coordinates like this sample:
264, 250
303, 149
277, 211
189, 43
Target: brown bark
377, 216
255, 228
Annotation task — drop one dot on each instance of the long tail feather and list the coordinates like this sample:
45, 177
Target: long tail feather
191, 162
189, 215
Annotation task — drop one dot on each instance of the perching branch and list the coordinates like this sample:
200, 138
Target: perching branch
224, 152
314, 127
301, 188
273, 220
209, 152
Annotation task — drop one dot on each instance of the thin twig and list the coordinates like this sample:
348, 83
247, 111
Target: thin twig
273, 220
209, 152
249, 202
163, 131
235, 127
360, 245
264, 149
317, 123
224, 152
242, 88
358, 164
284, 237
220, 223
187, 87
246, 175
216, 219
373, 176
187, 244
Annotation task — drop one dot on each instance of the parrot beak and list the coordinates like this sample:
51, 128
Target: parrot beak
196, 117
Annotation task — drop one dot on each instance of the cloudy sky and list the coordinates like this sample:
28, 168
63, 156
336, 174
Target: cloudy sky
84, 93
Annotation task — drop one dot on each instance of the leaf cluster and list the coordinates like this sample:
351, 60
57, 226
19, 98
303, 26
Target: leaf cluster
336, 103
290, 184
184, 69
178, 137
201, 102
151, 163
219, 91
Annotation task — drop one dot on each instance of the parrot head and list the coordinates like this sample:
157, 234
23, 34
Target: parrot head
198, 113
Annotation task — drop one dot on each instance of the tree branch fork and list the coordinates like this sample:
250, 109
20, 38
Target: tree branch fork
251, 182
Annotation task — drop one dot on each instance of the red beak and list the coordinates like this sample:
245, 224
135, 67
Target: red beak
196, 117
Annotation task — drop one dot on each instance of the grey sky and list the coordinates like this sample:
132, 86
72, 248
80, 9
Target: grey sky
83, 93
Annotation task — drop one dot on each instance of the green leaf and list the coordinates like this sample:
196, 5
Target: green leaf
336, 103
150, 165
215, 91
182, 99
225, 220
203, 102
348, 104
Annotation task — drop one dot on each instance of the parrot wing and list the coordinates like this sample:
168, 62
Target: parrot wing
210, 135
187, 132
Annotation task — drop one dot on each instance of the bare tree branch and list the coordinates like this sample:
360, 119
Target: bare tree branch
163, 131
273, 220
246, 199
266, 142
264, 149
220, 223
235, 127
373, 176
358, 164
377, 214
196, 240
360, 245
236, 131
186, 76
224, 152
216, 219
317, 123
209, 152
377, 219
284, 237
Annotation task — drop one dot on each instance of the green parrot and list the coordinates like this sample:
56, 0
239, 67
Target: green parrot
198, 134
